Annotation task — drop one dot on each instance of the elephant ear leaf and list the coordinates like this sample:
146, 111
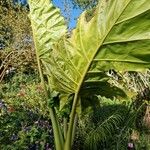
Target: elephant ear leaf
48, 26
117, 37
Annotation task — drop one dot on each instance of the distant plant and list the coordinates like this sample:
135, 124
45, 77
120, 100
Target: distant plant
23, 129
24, 116
16, 44
84, 4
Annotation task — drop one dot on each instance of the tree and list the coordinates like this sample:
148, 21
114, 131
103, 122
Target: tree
16, 45
84, 4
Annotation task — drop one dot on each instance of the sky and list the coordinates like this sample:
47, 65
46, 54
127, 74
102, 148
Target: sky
71, 11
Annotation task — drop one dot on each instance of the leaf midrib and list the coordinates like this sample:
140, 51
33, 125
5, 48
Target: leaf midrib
90, 61
119, 22
126, 41
116, 60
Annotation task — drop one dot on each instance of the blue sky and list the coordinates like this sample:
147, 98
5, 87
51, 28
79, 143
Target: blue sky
73, 12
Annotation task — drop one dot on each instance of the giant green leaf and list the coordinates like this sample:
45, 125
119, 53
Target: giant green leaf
47, 24
117, 37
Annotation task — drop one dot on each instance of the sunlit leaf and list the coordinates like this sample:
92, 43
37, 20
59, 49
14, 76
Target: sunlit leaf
117, 37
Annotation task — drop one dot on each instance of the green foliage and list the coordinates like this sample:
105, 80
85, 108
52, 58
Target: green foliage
17, 50
23, 129
84, 4
24, 90
14, 26
144, 142
109, 126
65, 64
116, 37
53, 23
24, 118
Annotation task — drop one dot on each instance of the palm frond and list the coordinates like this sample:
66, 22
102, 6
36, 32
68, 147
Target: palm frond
103, 131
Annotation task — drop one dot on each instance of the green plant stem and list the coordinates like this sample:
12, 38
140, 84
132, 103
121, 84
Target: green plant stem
59, 142
58, 138
74, 128
65, 122
69, 137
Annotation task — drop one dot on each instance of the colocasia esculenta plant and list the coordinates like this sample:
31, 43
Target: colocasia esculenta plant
116, 37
